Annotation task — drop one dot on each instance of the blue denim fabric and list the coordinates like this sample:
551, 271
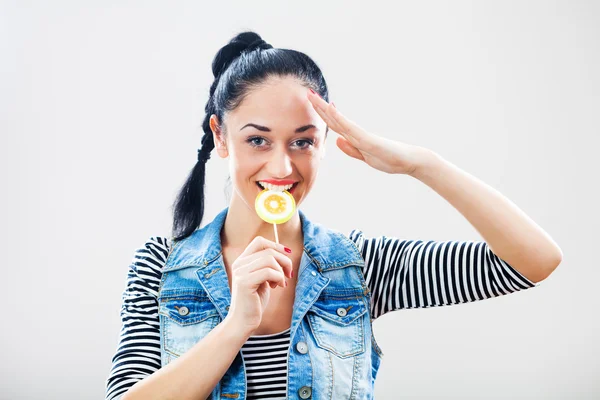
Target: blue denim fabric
331, 315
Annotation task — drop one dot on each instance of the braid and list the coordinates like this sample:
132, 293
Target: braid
208, 144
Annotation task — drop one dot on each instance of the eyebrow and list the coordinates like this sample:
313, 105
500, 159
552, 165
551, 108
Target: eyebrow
265, 129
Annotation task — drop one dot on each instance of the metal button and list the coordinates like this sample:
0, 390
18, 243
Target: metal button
227, 308
304, 392
314, 273
341, 312
302, 347
183, 310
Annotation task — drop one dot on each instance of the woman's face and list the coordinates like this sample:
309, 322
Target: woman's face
275, 134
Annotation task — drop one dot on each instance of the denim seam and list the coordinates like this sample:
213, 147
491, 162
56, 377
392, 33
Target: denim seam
332, 376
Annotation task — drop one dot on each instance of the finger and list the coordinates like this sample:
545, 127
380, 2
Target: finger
267, 262
321, 107
260, 243
256, 278
331, 123
282, 258
285, 262
337, 121
347, 148
353, 132
272, 259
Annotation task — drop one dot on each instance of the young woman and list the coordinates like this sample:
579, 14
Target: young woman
226, 312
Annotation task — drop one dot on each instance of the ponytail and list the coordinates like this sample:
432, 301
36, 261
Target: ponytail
189, 205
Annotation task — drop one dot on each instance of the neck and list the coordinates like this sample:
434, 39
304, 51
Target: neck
242, 225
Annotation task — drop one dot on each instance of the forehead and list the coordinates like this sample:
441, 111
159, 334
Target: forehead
278, 102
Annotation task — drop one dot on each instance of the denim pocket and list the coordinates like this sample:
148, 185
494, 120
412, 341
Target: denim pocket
186, 318
338, 325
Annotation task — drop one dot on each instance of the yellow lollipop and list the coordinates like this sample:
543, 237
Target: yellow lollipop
275, 207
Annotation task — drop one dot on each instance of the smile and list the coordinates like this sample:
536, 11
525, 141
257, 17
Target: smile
289, 188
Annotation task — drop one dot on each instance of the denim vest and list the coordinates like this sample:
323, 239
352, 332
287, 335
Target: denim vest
333, 353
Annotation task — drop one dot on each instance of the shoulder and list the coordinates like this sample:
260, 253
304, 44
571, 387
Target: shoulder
152, 254
357, 237
369, 244
145, 269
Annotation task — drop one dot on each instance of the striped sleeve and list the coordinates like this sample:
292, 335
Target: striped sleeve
138, 351
417, 274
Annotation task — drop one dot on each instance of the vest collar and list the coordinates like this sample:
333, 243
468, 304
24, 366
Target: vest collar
329, 249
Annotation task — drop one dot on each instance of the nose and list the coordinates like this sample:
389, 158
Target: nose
280, 164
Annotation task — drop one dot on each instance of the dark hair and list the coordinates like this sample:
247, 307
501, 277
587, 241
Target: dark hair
238, 67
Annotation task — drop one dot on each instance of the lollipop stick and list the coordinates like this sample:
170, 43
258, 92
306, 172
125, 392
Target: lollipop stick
275, 229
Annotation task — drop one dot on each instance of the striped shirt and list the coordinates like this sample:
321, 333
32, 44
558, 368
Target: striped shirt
265, 358
400, 273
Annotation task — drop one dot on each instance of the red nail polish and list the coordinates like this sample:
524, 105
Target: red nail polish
292, 274
287, 250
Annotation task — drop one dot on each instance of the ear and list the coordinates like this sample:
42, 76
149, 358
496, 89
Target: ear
218, 137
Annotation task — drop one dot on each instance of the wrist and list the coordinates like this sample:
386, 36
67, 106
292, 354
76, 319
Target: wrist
235, 329
427, 161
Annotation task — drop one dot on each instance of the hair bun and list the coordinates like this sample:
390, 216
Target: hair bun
258, 43
244, 42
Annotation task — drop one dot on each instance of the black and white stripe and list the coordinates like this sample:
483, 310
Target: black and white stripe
416, 274
138, 352
265, 358
400, 273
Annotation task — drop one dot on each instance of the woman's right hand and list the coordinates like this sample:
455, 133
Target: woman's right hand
263, 265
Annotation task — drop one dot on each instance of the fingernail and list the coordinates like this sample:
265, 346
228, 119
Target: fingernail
287, 250
292, 274
313, 92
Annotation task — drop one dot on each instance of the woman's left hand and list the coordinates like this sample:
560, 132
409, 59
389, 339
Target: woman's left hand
380, 153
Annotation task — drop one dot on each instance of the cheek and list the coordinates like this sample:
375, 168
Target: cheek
244, 162
315, 164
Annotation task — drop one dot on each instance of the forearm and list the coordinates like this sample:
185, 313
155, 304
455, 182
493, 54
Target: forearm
196, 373
507, 230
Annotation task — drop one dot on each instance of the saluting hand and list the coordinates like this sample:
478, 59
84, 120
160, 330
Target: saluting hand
386, 155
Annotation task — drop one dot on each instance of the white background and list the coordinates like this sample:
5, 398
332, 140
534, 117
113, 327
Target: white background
101, 105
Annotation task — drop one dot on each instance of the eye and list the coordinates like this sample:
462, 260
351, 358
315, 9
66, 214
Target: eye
310, 143
257, 141
252, 141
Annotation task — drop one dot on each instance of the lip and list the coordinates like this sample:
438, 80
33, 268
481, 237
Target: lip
276, 182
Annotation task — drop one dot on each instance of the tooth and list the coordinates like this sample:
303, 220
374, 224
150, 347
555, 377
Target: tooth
270, 186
